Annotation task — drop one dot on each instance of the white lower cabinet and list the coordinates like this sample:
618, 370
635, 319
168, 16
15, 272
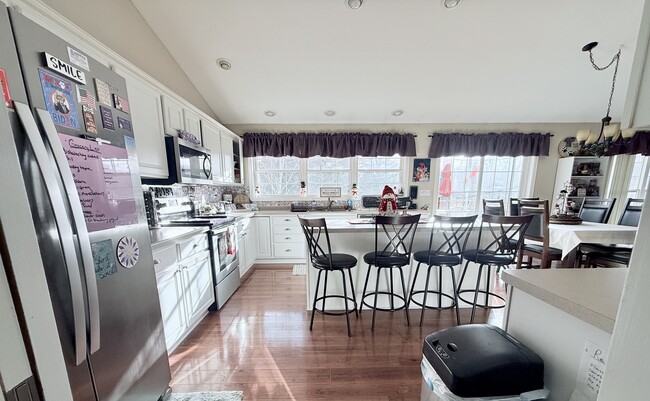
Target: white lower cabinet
263, 237
184, 286
280, 239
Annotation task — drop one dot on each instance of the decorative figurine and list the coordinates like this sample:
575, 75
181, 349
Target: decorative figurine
563, 209
388, 202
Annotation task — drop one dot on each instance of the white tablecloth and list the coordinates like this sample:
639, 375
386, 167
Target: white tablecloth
568, 237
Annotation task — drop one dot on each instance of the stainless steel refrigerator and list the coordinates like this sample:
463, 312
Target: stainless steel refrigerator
68, 119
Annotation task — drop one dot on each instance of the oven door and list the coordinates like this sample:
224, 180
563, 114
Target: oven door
224, 243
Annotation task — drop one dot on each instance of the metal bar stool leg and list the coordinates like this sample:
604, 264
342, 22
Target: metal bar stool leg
325, 289
478, 285
365, 286
462, 276
392, 292
313, 308
415, 278
439, 287
426, 291
374, 309
455, 289
408, 319
354, 297
345, 301
487, 285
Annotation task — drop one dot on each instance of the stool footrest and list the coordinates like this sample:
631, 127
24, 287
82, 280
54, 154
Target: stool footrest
453, 301
401, 298
488, 293
337, 313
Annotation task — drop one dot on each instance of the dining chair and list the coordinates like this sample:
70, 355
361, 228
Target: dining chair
538, 232
493, 206
447, 242
514, 205
596, 210
324, 260
499, 240
393, 244
630, 217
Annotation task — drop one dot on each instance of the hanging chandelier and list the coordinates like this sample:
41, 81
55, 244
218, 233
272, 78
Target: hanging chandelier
590, 143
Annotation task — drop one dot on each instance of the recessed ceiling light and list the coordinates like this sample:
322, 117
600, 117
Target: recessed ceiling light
224, 64
354, 4
330, 113
450, 3
397, 113
269, 113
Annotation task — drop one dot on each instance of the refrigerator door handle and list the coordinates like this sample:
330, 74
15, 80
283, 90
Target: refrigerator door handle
79, 225
65, 233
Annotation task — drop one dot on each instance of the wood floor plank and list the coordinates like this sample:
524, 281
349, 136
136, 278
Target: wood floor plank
260, 343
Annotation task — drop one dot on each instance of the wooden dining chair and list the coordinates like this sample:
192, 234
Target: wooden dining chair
494, 207
514, 205
538, 232
596, 210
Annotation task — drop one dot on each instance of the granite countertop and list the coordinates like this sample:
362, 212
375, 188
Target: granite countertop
165, 235
591, 295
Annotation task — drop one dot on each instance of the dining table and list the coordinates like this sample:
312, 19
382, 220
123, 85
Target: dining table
567, 237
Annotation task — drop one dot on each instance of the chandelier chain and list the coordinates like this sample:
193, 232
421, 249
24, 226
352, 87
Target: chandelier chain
616, 59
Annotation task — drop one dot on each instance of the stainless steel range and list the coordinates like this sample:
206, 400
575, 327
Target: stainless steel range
179, 211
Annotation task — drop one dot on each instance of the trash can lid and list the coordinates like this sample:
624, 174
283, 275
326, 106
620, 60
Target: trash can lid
480, 360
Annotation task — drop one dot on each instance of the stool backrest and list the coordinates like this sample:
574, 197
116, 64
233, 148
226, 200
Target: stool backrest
493, 206
502, 235
455, 232
632, 213
313, 229
398, 231
596, 210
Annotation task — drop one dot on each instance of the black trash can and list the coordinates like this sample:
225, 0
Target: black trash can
480, 362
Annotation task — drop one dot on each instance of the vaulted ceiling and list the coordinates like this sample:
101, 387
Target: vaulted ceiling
483, 61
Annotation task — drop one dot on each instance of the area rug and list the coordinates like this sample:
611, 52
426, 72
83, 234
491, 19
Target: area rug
299, 270
208, 396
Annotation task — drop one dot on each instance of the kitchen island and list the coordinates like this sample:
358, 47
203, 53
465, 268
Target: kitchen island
558, 312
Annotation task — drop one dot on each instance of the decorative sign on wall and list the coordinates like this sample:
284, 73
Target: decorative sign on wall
103, 92
330, 192
128, 252
77, 58
107, 118
64, 68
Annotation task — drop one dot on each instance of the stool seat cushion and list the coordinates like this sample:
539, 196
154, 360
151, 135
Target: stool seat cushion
540, 249
478, 256
339, 261
436, 259
385, 259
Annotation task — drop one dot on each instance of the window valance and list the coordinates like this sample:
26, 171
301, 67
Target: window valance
337, 145
639, 143
491, 144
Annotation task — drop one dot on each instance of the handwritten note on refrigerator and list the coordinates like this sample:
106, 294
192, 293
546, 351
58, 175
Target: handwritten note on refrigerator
103, 179
590, 373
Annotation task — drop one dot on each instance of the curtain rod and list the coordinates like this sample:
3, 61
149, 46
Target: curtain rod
431, 136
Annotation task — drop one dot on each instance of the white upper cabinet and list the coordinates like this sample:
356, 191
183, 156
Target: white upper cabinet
212, 140
172, 115
148, 130
192, 123
227, 155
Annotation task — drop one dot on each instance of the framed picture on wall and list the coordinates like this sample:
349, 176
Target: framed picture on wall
421, 170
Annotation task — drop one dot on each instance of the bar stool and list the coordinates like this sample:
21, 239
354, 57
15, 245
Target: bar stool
504, 237
327, 262
398, 233
455, 233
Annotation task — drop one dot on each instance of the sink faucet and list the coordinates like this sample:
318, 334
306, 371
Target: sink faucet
329, 204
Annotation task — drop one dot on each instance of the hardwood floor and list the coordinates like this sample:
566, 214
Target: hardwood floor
260, 343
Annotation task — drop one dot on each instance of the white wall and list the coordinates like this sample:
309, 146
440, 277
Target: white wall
119, 25
545, 179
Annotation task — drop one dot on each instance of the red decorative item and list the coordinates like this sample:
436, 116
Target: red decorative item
388, 202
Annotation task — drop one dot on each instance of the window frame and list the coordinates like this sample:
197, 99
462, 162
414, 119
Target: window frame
404, 175
526, 183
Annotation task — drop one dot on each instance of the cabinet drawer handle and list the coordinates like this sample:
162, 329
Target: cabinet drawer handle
287, 237
156, 261
287, 219
195, 246
287, 229
287, 250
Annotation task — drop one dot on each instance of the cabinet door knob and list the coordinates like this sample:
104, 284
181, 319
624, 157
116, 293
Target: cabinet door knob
287, 219
195, 246
156, 261
287, 229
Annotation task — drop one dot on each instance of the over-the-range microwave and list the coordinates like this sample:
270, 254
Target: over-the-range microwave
187, 163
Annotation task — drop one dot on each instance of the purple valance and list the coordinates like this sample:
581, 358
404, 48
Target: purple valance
492, 144
638, 144
337, 145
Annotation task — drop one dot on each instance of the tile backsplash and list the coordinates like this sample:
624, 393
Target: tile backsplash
211, 193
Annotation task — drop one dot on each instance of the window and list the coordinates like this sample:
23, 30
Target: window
464, 181
638, 186
281, 176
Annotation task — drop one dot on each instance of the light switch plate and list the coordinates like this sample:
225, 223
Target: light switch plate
425, 192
